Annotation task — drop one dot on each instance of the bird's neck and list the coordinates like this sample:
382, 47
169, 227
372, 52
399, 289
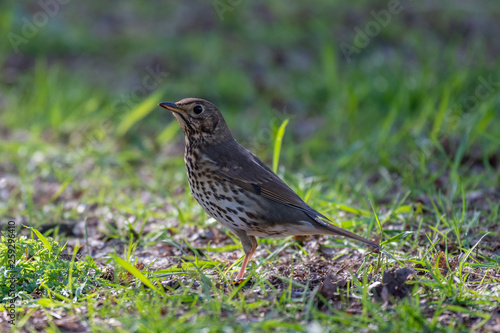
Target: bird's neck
193, 141
193, 144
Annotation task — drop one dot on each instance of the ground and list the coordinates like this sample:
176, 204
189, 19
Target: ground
393, 132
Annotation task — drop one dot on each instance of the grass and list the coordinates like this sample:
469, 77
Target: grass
401, 144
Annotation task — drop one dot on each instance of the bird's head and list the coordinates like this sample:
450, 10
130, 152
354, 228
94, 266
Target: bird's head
199, 119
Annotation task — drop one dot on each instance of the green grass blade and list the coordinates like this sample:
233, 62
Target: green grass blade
277, 144
168, 133
43, 240
443, 108
135, 272
139, 112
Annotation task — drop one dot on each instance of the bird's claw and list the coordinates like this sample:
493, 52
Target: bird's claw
237, 282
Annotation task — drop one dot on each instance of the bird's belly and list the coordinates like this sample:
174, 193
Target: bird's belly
220, 202
239, 209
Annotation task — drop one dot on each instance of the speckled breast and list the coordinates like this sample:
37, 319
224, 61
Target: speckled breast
237, 208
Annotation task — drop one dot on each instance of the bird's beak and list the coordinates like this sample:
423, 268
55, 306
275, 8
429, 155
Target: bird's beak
171, 107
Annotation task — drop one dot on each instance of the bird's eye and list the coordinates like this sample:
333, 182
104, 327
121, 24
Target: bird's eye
198, 109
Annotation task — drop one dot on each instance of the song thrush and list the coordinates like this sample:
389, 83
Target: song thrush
236, 188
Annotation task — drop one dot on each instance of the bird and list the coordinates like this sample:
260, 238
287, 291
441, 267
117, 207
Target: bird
239, 190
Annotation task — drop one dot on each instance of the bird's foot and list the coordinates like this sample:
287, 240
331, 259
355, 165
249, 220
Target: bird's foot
237, 282
248, 282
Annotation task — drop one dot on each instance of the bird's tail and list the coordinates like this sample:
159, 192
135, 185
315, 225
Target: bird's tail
331, 229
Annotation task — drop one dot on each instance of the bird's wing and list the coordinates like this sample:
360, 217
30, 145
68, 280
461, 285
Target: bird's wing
239, 166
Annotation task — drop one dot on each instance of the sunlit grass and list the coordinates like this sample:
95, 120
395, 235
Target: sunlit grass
383, 146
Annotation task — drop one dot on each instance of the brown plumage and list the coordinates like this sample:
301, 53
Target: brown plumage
236, 188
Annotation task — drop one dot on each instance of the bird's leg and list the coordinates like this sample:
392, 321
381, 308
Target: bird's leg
249, 246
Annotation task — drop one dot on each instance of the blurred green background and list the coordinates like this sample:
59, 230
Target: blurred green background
393, 132
389, 95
